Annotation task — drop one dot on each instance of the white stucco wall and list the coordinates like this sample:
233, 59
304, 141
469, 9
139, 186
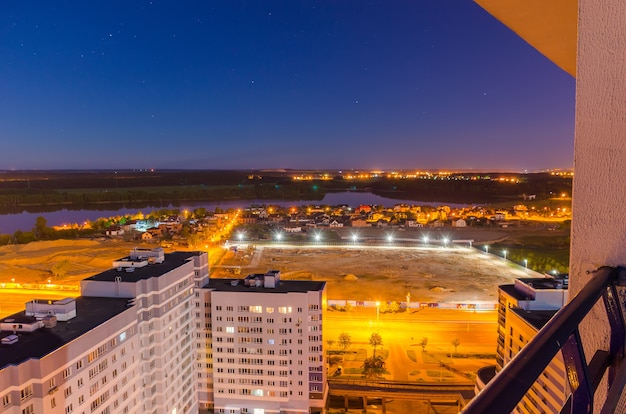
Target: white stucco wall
599, 202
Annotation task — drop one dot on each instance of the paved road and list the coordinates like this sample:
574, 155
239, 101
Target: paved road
402, 333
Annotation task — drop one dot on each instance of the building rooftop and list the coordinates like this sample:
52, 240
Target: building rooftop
514, 293
90, 312
539, 283
285, 286
172, 261
536, 318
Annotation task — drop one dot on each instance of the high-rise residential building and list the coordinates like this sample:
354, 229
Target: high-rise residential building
523, 309
267, 347
155, 335
125, 346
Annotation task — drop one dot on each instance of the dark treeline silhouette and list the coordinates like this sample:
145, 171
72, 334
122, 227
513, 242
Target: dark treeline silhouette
50, 191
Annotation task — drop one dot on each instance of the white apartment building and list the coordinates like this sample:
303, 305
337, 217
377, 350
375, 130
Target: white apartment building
523, 309
125, 346
267, 348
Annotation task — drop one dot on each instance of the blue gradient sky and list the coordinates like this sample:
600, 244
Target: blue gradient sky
275, 84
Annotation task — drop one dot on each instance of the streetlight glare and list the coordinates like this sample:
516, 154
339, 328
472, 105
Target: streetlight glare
355, 237
389, 238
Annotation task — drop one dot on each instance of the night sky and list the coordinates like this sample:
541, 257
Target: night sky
415, 84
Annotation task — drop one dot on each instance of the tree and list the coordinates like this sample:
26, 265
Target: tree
330, 342
375, 341
345, 340
40, 228
455, 343
423, 343
373, 367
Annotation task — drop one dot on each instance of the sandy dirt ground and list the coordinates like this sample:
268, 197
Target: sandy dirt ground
382, 273
26, 269
430, 274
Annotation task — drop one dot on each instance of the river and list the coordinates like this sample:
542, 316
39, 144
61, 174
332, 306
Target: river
9, 223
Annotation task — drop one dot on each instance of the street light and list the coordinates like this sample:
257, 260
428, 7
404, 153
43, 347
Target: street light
526, 263
279, 236
486, 248
445, 242
355, 238
425, 239
317, 237
377, 312
504, 252
389, 238
240, 235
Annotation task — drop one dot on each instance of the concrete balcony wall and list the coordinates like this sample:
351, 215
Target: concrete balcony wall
599, 195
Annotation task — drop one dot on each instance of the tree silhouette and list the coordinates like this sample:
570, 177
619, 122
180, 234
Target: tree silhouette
375, 341
455, 343
373, 367
41, 227
345, 340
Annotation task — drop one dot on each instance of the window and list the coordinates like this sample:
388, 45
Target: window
29, 410
67, 372
6, 400
26, 392
79, 364
53, 402
67, 392
69, 409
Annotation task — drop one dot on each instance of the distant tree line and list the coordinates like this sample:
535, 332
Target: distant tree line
46, 191
452, 190
50, 200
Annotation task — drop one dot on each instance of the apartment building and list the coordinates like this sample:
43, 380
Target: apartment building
267, 347
523, 309
125, 346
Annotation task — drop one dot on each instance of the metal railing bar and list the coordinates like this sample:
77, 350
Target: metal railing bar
615, 392
616, 321
510, 385
597, 366
577, 374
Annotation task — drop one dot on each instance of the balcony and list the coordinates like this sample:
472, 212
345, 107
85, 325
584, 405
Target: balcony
506, 390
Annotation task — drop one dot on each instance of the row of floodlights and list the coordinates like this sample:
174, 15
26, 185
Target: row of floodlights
355, 238
278, 236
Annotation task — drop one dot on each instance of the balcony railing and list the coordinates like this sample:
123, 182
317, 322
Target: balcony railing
561, 333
